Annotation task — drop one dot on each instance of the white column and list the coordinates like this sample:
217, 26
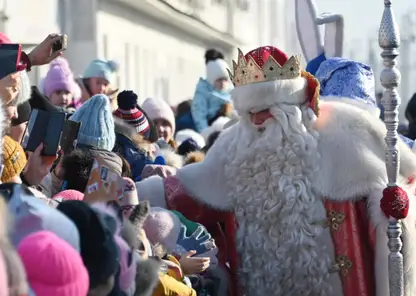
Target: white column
82, 33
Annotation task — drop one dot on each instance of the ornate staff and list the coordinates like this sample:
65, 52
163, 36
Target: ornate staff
395, 202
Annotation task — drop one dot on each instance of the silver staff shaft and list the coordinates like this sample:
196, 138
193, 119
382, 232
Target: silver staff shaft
389, 41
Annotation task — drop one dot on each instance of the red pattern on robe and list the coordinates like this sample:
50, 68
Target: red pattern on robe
354, 238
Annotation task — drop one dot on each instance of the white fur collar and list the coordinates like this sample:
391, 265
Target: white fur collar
351, 144
374, 110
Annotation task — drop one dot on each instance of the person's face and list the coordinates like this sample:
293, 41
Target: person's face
164, 129
98, 85
17, 132
11, 111
61, 98
221, 84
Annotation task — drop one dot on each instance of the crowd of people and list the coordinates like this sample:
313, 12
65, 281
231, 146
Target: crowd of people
53, 242
177, 223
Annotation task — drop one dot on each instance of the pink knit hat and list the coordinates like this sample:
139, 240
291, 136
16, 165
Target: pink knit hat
60, 77
159, 109
162, 227
69, 195
62, 271
127, 267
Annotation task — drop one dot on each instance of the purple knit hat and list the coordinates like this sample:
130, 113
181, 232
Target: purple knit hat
60, 77
63, 272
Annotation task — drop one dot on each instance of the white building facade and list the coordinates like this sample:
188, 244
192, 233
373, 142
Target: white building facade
159, 44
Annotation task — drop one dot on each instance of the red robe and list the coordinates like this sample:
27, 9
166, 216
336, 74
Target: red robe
352, 235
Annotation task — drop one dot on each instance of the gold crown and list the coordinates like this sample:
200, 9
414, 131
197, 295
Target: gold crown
247, 71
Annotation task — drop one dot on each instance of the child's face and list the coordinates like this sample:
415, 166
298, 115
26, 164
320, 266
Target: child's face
221, 84
164, 129
61, 98
98, 85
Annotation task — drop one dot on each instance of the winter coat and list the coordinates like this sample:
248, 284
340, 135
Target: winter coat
206, 104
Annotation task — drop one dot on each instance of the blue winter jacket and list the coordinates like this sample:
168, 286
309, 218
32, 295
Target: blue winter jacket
207, 102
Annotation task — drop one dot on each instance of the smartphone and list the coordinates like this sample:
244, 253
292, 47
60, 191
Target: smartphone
52, 137
60, 44
10, 55
44, 127
70, 136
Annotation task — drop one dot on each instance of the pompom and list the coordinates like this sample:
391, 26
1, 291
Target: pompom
395, 202
60, 62
127, 100
212, 55
113, 65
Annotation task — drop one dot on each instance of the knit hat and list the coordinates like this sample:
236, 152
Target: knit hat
347, 79
23, 114
62, 270
162, 227
98, 248
32, 215
127, 266
14, 159
216, 70
130, 197
69, 195
60, 77
128, 111
97, 128
188, 146
183, 135
102, 69
159, 109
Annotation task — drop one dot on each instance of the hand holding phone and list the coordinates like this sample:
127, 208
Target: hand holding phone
43, 53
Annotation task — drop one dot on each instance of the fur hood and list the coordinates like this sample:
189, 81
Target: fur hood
171, 158
129, 132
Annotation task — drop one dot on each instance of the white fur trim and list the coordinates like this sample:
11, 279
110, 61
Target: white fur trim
374, 110
186, 134
217, 126
351, 145
260, 96
24, 88
152, 189
172, 159
216, 70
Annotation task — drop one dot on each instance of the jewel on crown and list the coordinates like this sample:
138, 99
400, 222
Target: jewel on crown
247, 71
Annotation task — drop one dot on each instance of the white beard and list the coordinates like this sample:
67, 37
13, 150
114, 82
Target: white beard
275, 206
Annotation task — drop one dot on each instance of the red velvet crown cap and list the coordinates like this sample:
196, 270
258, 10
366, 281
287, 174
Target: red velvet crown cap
262, 54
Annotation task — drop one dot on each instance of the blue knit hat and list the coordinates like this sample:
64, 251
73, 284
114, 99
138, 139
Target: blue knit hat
102, 69
346, 78
97, 123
